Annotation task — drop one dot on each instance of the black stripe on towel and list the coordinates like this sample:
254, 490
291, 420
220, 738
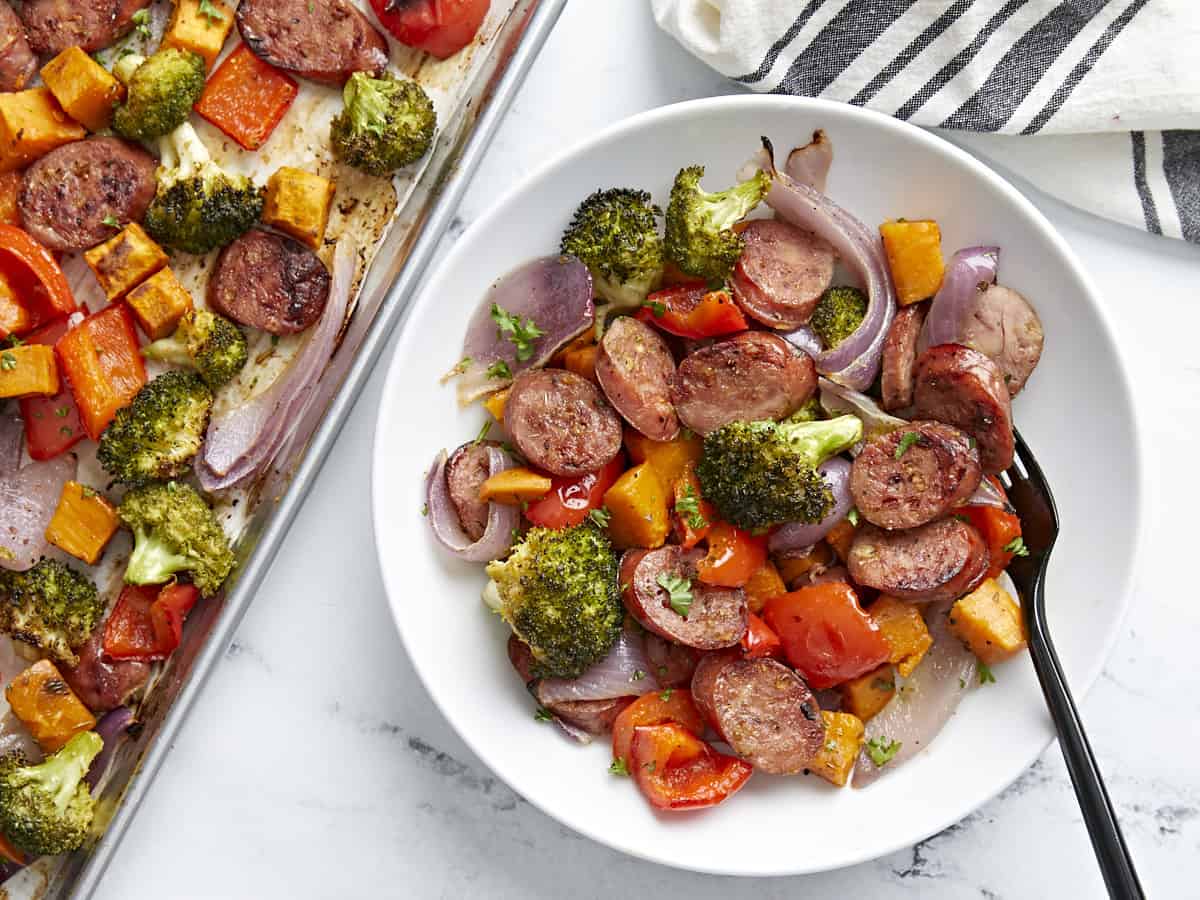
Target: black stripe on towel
1181, 165
1149, 211
855, 28
1022, 67
780, 45
1115, 27
909, 53
959, 62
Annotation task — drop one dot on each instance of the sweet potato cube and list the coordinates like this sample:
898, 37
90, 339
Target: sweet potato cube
10, 190
515, 486
28, 371
843, 739
904, 628
495, 404
840, 537
764, 584
667, 458
201, 32
866, 695
989, 622
298, 204
638, 504
914, 253
83, 523
84, 89
125, 261
47, 706
792, 566
31, 125
158, 303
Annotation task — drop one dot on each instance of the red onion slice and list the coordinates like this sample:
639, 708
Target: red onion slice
810, 164
110, 729
987, 494
970, 271
555, 292
795, 535
443, 517
839, 400
12, 430
28, 498
855, 361
625, 672
243, 441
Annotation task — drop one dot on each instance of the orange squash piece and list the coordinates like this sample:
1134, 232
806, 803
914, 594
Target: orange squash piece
47, 706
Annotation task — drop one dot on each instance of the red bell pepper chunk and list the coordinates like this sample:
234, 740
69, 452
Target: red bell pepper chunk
733, 556
693, 514
693, 312
571, 499
246, 98
33, 288
677, 770
1000, 528
101, 360
760, 640
674, 705
147, 623
52, 424
439, 27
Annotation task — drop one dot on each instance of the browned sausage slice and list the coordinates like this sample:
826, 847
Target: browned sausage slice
752, 376
1003, 325
269, 281
634, 368
762, 709
71, 196
103, 684
325, 40
914, 475
561, 423
673, 664
939, 561
717, 617
54, 25
900, 356
962, 387
17, 62
782, 273
466, 471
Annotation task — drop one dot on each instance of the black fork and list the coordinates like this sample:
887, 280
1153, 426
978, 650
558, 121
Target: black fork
1030, 496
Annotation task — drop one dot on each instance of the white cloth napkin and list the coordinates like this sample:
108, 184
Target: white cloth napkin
1093, 101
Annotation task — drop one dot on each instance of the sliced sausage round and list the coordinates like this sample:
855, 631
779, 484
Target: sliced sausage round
268, 281
752, 376
18, 64
962, 387
900, 356
561, 423
673, 664
717, 616
466, 471
762, 709
100, 683
54, 25
782, 273
634, 368
1003, 325
939, 561
914, 475
593, 716
324, 40
70, 197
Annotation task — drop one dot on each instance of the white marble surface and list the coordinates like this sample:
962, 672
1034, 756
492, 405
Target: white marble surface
315, 766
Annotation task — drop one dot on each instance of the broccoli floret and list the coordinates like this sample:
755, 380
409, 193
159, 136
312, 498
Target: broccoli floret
700, 236
385, 124
47, 809
838, 314
51, 606
174, 531
208, 343
199, 206
161, 92
615, 234
811, 411
160, 432
759, 474
558, 592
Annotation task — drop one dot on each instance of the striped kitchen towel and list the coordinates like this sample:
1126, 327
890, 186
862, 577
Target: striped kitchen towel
1096, 102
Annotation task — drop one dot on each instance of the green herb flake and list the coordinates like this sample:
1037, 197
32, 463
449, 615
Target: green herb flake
66, 430
679, 590
1016, 547
141, 19
543, 715
665, 696
111, 221
88, 492
213, 14
600, 517
522, 332
499, 370
483, 432
14, 341
62, 411
618, 767
688, 507
852, 516
881, 750
424, 509
8, 361
637, 675
658, 309
972, 443
985, 674
651, 766
906, 440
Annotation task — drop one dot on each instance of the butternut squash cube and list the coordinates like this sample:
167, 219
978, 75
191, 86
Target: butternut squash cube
792, 566
840, 537
47, 706
298, 204
637, 502
764, 584
201, 32
125, 261
989, 622
914, 253
83, 523
158, 303
843, 739
28, 371
667, 458
904, 629
515, 486
31, 125
866, 695
495, 404
85, 89
10, 190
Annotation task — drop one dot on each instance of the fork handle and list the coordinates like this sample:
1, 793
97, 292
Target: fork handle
1116, 865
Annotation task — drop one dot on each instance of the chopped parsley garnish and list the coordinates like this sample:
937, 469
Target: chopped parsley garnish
651, 766
1016, 547
88, 492
111, 221
424, 509
881, 750
972, 443
688, 507
906, 440
637, 675
211, 13
66, 430
483, 432
141, 19
543, 714
14, 341
618, 767
665, 696
985, 674
62, 411
600, 517
659, 309
679, 590
522, 332
852, 516
499, 370
8, 361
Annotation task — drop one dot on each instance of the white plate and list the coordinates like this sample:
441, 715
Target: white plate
1077, 413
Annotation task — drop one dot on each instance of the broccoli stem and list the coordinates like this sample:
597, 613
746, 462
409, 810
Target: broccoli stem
152, 561
184, 152
818, 441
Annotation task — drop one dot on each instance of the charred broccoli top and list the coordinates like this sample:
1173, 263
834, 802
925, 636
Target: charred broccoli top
47, 809
51, 606
207, 342
385, 124
838, 314
700, 236
175, 531
161, 92
160, 432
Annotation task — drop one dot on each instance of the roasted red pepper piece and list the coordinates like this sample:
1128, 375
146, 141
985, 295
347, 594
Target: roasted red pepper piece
760, 640
52, 424
571, 499
733, 556
693, 312
440, 27
677, 770
147, 623
999, 528
102, 361
246, 98
33, 288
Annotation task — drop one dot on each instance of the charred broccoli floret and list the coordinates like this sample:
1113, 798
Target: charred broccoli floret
51, 606
838, 314
175, 531
385, 124
700, 235
160, 432
199, 206
759, 474
208, 343
558, 592
47, 809
161, 92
